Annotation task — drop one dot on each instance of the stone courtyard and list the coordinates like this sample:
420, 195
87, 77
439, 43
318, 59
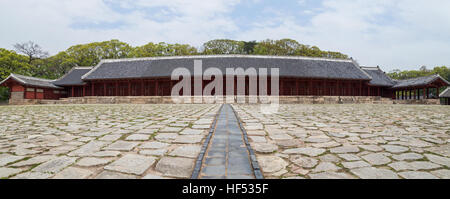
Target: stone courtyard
350, 141
164, 140
102, 141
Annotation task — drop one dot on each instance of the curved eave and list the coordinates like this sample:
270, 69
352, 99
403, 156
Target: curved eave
445, 93
437, 77
21, 81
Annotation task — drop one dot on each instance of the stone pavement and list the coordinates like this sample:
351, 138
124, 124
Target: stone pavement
227, 156
164, 140
350, 141
102, 141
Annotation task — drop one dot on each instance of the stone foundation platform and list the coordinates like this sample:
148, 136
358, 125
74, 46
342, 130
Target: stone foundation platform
207, 100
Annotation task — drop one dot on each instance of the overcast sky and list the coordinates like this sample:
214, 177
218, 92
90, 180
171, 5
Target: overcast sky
403, 34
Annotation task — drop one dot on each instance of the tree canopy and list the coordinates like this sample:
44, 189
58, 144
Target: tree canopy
443, 71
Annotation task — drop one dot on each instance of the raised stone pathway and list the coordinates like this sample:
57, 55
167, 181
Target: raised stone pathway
227, 156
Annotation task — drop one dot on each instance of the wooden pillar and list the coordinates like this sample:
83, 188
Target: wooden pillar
142, 87
104, 89
378, 91
423, 93
360, 88
84, 90
93, 89
428, 93
35, 97
368, 90
437, 92
129, 88
72, 92
338, 88
297, 87
410, 92
117, 87
156, 88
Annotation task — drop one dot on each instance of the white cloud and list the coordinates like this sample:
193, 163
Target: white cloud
402, 34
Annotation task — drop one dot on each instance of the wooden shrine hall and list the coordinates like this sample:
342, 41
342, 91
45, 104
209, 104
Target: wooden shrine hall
298, 76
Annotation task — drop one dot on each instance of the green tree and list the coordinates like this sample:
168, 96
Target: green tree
443, 71
223, 47
163, 49
11, 62
91, 54
249, 47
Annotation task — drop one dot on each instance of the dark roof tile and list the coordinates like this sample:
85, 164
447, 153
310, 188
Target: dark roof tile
73, 77
419, 81
379, 78
289, 66
32, 81
445, 93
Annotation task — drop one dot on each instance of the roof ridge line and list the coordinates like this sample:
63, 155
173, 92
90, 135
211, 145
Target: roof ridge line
225, 56
33, 78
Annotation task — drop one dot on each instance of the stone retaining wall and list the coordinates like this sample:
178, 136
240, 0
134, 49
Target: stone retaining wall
168, 100
17, 95
421, 101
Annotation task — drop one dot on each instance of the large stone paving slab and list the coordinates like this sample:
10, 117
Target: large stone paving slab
101, 141
132, 164
350, 141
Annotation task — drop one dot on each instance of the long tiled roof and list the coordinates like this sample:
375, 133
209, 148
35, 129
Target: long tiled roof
445, 93
289, 66
420, 81
31, 81
379, 77
73, 77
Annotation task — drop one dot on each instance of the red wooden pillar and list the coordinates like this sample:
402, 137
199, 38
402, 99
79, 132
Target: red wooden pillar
35, 96
368, 90
360, 88
423, 93
428, 93
308, 87
156, 88
129, 88
437, 92
142, 87
84, 90
104, 89
72, 92
297, 87
338, 88
378, 91
92, 89
117, 88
